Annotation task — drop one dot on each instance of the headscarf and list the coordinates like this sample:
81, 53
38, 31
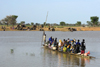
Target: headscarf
60, 42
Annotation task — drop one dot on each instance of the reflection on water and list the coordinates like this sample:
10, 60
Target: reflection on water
64, 59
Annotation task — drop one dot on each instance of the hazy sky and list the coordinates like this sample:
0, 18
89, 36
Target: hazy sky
69, 11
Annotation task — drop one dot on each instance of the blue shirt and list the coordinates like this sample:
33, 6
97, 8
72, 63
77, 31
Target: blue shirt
78, 43
50, 39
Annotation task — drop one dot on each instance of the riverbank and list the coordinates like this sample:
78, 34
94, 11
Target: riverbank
56, 29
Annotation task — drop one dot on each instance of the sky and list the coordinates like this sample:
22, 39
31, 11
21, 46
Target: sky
69, 11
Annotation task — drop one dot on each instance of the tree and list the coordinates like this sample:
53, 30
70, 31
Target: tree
44, 23
47, 24
28, 24
94, 20
0, 22
13, 20
5, 20
78, 23
89, 23
62, 23
37, 24
22, 22
10, 20
32, 23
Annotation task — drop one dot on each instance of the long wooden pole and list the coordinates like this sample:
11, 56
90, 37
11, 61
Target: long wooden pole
46, 18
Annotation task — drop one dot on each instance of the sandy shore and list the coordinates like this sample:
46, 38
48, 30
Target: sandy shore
77, 28
59, 29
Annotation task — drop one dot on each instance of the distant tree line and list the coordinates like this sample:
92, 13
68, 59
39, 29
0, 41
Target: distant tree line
11, 20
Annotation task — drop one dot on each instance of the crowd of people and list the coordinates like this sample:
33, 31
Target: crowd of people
68, 45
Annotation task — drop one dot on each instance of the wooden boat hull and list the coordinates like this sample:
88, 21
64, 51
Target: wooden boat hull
76, 54
70, 53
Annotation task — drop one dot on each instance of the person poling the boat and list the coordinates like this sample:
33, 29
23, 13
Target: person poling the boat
44, 37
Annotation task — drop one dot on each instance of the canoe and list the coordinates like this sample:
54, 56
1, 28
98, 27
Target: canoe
79, 55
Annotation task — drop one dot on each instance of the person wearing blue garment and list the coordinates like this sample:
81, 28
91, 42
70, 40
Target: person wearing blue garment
78, 42
68, 41
78, 46
50, 40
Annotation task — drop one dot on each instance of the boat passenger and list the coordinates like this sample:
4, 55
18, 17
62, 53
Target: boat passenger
78, 42
68, 48
68, 41
83, 47
78, 46
64, 42
60, 42
50, 40
72, 49
65, 48
72, 42
55, 42
52, 45
62, 45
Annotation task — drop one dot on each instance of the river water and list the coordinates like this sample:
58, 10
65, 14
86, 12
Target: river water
23, 49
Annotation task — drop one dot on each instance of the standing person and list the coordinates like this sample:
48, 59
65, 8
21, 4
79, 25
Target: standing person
83, 47
44, 37
78, 46
50, 40
55, 42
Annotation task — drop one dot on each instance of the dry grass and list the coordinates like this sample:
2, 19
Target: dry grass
58, 29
